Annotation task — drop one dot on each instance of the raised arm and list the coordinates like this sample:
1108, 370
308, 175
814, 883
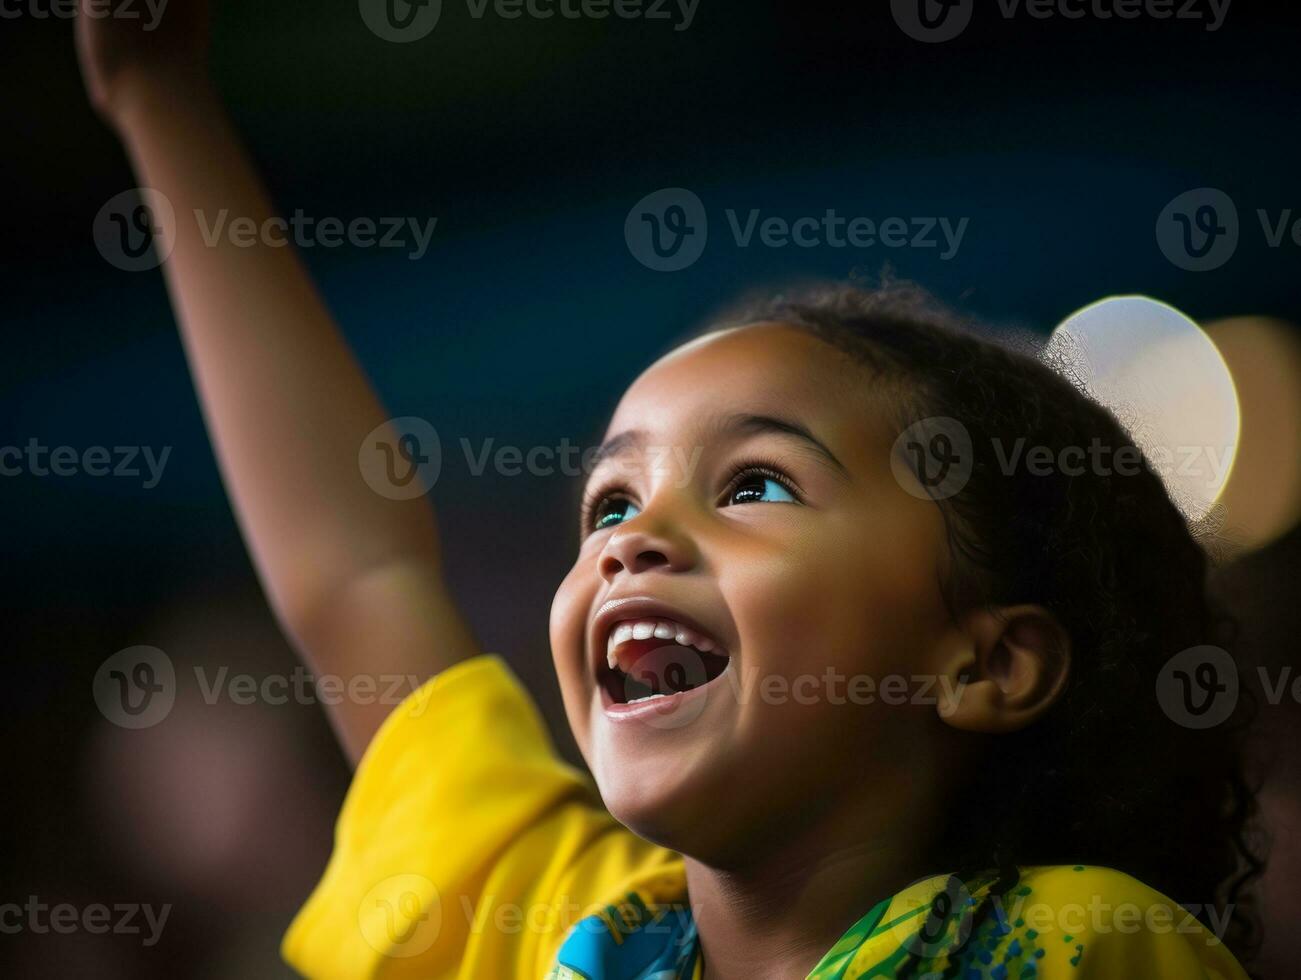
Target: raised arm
354, 577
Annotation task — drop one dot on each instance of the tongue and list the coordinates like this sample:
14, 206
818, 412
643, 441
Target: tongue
663, 666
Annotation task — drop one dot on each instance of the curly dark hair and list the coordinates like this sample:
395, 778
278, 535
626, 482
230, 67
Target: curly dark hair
1105, 777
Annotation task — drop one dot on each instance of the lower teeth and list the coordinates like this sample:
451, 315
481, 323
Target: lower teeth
649, 697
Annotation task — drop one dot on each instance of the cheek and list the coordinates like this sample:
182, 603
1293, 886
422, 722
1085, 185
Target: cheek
857, 596
569, 613
858, 593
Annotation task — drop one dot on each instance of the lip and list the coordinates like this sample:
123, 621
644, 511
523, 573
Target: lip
638, 607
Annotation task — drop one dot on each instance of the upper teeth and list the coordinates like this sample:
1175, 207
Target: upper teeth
660, 629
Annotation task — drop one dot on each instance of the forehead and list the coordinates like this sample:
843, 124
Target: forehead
768, 368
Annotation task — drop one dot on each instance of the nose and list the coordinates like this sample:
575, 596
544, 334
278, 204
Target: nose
647, 543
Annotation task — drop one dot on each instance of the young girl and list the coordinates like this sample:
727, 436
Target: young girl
842, 724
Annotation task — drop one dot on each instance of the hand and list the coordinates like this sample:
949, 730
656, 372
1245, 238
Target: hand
166, 45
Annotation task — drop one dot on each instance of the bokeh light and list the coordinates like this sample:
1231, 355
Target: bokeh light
1262, 499
1165, 380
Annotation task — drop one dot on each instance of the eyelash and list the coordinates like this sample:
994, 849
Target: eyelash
761, 468
593, 499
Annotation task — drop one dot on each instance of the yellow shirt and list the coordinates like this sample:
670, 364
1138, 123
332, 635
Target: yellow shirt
467, 849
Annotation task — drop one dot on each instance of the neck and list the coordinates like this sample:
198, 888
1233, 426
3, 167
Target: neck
778, 917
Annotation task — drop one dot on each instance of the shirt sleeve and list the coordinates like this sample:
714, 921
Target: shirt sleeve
465, 846
1093, 923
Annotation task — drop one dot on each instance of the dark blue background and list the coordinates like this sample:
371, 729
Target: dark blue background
1060, 140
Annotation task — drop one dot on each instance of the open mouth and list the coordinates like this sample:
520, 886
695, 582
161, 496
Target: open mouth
653, 658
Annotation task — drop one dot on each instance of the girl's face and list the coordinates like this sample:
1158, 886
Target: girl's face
745, 514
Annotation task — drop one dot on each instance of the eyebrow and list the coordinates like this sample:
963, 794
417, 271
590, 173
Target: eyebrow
744, 422
625, 441
768, 424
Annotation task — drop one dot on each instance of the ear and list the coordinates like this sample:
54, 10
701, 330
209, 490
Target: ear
1012, 668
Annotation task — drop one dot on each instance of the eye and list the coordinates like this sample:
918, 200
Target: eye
755, 486
611, 511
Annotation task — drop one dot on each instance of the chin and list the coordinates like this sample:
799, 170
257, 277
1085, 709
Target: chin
653, 806
670, 806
